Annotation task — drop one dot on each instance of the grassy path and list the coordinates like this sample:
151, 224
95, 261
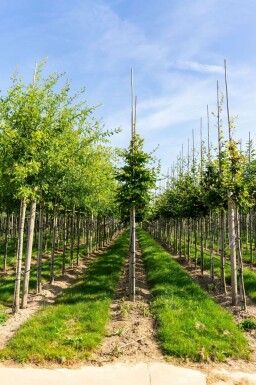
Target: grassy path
190, 323
73, 327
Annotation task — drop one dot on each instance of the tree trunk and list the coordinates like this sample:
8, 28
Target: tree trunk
16, 300
195, 240
91, 233
222, 251
64, 243
132, 283
40, 249
88, 236
232, 247
240, 262
30, 239
180, 237
201, 246
188, 253
251, 237
7, 231
211, 231
72, 236
54, 230
78, 237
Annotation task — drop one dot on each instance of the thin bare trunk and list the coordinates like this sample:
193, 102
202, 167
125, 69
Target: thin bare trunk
54, 231
251, 237
16, 300
30, 239
222, 251
240, 262
40, 249
64, 242
232, 247
188, 253
7, 232
78, 238
132, 257
72, 235
195, 240
211, 231
201, 246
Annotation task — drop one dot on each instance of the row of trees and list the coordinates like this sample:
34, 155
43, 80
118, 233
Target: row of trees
54, 159
210, 201
59, 182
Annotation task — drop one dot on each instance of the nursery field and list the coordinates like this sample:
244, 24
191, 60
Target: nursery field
189, 323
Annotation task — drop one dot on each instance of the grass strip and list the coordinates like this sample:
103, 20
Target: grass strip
190, 324
73, 327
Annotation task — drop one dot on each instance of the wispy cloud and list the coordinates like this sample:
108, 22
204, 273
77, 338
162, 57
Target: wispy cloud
198, 67
176, 48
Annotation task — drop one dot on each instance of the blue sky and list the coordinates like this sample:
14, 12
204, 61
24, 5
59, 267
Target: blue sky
175, 47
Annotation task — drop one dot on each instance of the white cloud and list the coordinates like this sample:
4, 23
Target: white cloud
198, 67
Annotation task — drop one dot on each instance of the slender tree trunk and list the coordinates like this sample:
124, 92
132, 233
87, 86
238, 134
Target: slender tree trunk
251, 237
176, 222
16, 300
195, 240
104, 232
247, 229
97, 233
132, 264
211, 231
180, 237
188, 240
64, 242
72, 232
205, 237
232, 247
184, 238
88, 235
40, 249
240, 262
46, 233
91, 233
7, 231
222, 251
78, 237
30, 239
201, 246
54, 231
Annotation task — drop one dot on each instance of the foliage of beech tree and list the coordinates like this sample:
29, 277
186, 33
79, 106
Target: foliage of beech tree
136, 180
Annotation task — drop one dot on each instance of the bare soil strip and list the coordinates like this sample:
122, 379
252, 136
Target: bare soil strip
130, 335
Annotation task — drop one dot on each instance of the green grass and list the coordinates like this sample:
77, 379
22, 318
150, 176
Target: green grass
73, 327
11, 255
248, 324
190, 324
3, 315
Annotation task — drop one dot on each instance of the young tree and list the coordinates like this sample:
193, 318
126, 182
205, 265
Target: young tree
136, 180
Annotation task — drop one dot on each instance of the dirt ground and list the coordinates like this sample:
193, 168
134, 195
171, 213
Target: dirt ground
130, 335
